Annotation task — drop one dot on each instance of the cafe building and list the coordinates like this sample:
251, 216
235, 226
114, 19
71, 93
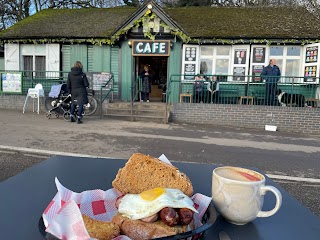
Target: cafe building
176, 43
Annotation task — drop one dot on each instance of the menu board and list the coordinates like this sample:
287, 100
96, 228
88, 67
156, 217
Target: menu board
11, 82
98, 79
240, 56
312, 54
310, 71
259, 55
189, 69
239, 73
256, 72
190, 53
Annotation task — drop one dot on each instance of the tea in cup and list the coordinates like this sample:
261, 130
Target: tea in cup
238, 194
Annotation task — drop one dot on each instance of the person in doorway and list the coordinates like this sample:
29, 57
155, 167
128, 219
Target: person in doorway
271, 74
146, 78
77, 85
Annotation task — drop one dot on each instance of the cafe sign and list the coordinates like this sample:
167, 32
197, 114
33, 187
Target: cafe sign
150, 48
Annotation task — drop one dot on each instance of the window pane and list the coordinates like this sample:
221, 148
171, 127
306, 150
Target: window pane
276, 51
28, 65
293, 51
222, 66
292, 67
206, 66
223, 50
40, 67
208, 51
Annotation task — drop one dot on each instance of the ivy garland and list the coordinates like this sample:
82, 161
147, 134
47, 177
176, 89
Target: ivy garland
144, 20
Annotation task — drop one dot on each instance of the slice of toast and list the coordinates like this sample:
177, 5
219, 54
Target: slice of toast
143, 172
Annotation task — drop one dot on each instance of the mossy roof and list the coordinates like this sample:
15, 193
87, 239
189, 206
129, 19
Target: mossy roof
196, 22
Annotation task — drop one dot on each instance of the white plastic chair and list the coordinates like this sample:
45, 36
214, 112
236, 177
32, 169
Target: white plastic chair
35, 92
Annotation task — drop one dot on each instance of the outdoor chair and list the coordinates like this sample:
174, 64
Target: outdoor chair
34, 93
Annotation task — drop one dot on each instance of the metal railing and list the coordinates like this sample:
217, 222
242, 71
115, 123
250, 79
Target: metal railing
49, 78
300, 91
135, 91
105, 91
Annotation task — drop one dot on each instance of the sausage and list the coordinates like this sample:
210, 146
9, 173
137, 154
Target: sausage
169, 216
186, 215
152, 218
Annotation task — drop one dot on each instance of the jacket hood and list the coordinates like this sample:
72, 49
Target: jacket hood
76, 71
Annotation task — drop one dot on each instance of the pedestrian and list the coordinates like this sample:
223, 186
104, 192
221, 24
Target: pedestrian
271, 75
146, 78
77, 85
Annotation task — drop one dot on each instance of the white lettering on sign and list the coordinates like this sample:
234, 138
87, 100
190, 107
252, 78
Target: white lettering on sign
139, 47
147, 47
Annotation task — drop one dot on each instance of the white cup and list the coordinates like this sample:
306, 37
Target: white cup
238, 194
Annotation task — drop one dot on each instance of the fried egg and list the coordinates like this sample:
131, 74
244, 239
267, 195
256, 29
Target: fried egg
148, 203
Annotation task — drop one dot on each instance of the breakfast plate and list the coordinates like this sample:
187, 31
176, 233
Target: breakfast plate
208, 220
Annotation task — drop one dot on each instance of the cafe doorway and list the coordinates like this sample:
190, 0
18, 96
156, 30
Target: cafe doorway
159, 69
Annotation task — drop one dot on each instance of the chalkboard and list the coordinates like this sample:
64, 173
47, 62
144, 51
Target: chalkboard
98, 79
11, 82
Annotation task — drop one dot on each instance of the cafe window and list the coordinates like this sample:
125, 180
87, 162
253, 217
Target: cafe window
34, 63
214, 60
288, 60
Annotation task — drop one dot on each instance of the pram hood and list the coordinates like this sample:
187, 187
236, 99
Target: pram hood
58, 89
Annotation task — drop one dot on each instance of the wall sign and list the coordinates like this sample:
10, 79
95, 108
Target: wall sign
311, 54
256, 72
239, 73
98, 79
190, 54
189, 69
240, 56
258, 55
310, 71
150, 48
11, 82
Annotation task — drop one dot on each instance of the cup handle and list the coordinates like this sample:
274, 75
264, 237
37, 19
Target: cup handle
278, 195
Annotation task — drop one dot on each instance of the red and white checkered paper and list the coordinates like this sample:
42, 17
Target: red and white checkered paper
63, 218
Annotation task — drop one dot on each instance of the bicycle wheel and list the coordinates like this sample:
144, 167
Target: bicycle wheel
92, 106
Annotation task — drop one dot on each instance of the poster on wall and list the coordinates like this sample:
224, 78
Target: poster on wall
310, 71
259, 55
256, 72
239, 73
312, 54
190, 53
11, 82
98, 79
240, 56
189, 69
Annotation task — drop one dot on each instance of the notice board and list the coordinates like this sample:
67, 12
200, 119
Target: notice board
98, 79
11, 82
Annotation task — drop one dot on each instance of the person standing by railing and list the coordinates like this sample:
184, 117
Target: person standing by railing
271, 74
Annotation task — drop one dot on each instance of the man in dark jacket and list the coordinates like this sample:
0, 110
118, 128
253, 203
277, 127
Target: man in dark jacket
77, 85
271, 74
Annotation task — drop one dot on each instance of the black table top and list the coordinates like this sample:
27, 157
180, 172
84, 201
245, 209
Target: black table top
24, 197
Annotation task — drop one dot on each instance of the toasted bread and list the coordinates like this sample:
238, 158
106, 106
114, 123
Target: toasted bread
143, 172
101, 230
139, 230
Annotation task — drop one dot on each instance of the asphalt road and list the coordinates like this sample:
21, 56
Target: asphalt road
291, 160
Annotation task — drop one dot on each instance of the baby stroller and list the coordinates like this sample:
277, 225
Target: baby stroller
58, 102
